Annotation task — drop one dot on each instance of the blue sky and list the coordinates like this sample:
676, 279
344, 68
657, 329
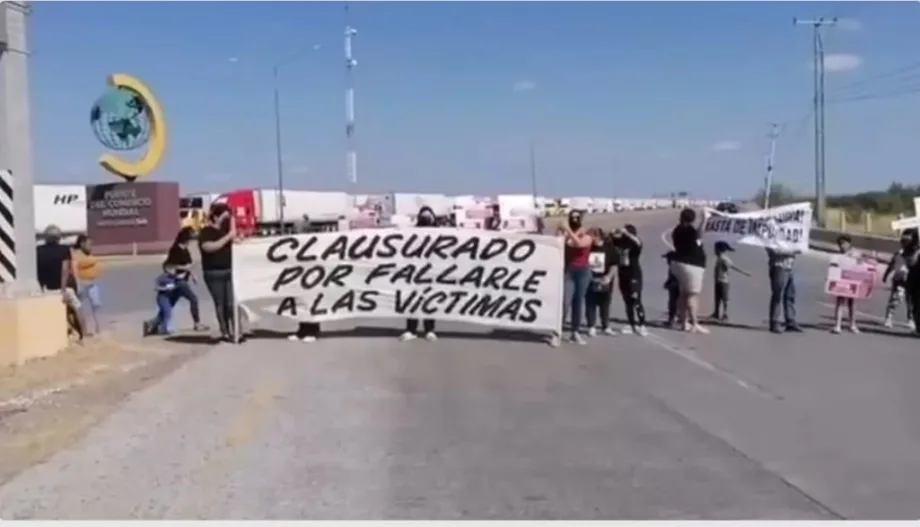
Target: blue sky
620, 98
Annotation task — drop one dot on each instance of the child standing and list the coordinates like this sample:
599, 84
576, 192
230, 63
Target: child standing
724, 264
165, 299
845, 247
673, 288
602, 262
629, 274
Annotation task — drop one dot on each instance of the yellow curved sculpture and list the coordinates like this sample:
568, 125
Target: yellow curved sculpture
156, 145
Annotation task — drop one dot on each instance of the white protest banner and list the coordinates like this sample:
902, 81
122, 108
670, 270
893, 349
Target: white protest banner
786, 228
481, 277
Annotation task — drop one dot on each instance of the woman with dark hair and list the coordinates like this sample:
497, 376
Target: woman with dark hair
898, 269
216, 243
180, 259
425, 218
688, 265
912, 283
578, 243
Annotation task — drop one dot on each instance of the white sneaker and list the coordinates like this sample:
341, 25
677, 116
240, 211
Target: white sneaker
407, 336
308, 339
431, 336
837, 330
854, 329
912, 325
592, 332
579, 339
642, 331
889, 323
626, 330
610, 332
293, 338
555, 341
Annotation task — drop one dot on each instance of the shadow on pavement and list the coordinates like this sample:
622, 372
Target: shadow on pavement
377, 332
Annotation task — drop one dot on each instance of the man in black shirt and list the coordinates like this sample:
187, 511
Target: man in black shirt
54, 269
216, 243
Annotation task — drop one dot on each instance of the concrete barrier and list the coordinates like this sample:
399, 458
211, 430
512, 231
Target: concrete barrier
825, 239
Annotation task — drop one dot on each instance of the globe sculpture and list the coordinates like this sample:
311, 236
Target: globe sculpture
121, 120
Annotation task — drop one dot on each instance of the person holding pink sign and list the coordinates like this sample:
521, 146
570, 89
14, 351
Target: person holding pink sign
845, 246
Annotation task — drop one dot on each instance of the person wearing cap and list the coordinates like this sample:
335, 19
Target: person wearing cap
216, 243
54, 267
723, 266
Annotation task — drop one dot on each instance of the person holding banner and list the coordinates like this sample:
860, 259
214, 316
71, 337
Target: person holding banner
688, 265
424, 218
782, 289
578, 242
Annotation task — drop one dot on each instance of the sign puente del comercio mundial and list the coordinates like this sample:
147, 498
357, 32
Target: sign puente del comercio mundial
131, 216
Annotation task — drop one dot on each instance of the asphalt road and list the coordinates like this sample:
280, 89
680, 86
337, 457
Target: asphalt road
738, 424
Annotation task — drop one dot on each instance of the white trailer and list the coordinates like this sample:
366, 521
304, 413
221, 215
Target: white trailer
61, 205
408, 204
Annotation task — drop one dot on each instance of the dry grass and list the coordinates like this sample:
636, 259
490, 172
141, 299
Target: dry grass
49, 404
860, 222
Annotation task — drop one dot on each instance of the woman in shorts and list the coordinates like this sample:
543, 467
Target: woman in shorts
688, 265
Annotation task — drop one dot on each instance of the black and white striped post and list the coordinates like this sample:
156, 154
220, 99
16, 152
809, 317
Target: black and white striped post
7, 229
17, 208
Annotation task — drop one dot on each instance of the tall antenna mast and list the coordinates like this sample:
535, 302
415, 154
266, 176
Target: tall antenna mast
351, 156
768, 178
818, 51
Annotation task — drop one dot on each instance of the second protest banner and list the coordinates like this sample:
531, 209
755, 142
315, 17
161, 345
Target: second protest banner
784, 228
481, 277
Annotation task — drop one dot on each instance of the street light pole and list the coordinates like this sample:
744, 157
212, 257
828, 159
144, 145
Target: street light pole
278, 156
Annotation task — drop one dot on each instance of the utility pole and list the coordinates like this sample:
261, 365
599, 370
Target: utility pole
533, 172
768, 178
818, 50
279, 159
351, 156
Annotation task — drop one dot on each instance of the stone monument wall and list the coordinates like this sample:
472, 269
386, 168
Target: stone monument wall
132, 218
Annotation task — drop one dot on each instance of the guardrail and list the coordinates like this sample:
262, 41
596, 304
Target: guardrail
826, 238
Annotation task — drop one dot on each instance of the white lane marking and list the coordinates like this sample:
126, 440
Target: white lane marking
686, 354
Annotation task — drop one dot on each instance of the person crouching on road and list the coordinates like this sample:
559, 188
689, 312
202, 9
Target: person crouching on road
897, 269
306, 331
629, 274
425, 218
578, 243
723, 266
602, 262
845, 247
166, 285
